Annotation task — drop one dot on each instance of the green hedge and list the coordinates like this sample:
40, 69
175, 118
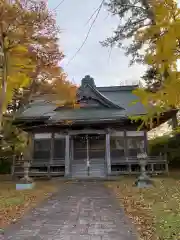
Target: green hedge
6, 159
5, 166
169, 146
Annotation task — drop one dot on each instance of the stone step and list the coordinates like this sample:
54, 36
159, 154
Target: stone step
95, 170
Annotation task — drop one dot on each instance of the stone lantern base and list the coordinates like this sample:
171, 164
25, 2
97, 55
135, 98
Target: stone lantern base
143, 181
25, 184
26, 180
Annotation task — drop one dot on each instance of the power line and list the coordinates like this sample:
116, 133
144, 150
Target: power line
54, 9
97, 11
109, 55
58, 5
110, 50
92, 16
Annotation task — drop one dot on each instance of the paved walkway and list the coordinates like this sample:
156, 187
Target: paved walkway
80, 211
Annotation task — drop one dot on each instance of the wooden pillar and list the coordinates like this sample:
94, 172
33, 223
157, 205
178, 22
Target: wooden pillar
108, 153
13, 164
126, 152
67, 155
72, 153
52, 148
125, 146
152, 167
32, 148
145, 142
51, 155
166, 164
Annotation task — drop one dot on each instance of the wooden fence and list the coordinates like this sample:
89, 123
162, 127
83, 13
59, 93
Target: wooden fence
56, 167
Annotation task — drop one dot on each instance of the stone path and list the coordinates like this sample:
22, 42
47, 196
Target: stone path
80, 211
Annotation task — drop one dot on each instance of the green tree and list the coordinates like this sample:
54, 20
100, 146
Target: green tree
133, 15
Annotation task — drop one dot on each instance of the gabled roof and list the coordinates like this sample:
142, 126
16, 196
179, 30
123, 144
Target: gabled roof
114, 103
89, 89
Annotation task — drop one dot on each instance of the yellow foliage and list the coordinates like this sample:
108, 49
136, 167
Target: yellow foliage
28, 35
162, 54
65, 90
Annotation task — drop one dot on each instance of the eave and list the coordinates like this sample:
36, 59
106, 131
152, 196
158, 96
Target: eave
23, 121
157, 121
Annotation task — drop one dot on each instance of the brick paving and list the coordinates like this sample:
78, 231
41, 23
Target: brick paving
79, 211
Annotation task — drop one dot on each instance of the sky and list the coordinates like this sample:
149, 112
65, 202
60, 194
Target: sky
93, 59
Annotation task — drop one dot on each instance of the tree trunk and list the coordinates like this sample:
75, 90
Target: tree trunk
3, 82
174, 121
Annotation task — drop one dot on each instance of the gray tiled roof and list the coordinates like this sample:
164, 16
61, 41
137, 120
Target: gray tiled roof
125, 99
38, 110
122, 107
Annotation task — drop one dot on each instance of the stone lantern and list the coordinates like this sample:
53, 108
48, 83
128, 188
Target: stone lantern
143, 180
26, 182
26, 178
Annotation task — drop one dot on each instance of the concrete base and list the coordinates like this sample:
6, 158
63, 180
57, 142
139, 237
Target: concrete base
24, 186
144, 183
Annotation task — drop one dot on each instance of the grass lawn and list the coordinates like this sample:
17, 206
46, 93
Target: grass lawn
155, 211
14, 204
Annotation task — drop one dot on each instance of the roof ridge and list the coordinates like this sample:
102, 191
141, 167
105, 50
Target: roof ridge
104, 97
118, 88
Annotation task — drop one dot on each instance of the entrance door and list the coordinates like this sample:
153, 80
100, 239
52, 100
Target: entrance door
89, 156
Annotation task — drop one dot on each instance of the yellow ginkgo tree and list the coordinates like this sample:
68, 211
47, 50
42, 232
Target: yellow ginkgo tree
162, 54
28, 46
